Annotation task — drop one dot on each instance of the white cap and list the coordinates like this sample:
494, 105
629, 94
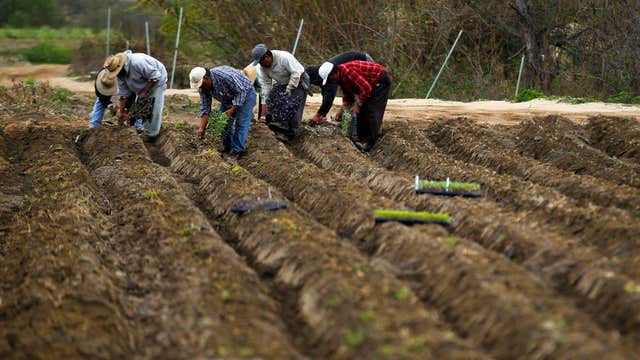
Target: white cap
324, 71
195, 77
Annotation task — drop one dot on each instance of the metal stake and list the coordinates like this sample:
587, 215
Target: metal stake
519, 77
175, 54
146, 33
295, 45
108, 31
443, 65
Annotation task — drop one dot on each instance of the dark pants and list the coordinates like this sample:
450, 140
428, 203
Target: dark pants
285, 111
372, 111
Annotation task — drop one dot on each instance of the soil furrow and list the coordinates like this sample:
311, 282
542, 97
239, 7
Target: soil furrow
56, 298
351, 308
430, 262
485, 146
195, 294
614, 232
539, 252
618, 137
565, 145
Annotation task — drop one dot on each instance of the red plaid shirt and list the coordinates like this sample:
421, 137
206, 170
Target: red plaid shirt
358, 77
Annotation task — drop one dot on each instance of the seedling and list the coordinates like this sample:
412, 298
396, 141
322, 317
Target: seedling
217, 123
412, 217
447, 188
354, 338
402, 294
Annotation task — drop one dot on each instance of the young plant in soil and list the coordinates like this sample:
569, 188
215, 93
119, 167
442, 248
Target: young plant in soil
217, 123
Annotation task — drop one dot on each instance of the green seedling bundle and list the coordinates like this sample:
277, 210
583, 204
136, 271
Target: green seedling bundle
217, 123
411, 217
447, 188
345, 123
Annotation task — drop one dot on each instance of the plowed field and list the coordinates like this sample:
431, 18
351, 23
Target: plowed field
113, 248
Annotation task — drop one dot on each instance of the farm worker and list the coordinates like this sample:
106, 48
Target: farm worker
144, 76
104, 92
329, 90
372, 84
286, 99
234, 90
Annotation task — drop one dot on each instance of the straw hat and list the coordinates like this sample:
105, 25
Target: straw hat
113, 65
250, 72
104, 84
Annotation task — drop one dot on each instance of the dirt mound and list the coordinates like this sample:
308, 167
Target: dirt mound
492, 147
619, 137
565, 145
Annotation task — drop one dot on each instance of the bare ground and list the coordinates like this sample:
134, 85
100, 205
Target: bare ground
112, 248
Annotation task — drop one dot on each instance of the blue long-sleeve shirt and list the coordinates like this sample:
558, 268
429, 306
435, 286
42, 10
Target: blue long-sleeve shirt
229, 86
139, 69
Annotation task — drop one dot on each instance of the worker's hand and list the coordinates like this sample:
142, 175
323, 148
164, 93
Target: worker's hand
200, 133
123, 117
355, 108
144, 93
231, 111
339, 114
317, 119
287, 92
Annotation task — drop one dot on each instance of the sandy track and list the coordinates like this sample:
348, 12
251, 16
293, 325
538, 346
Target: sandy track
494, 112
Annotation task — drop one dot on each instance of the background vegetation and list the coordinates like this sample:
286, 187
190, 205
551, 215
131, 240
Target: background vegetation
573, 48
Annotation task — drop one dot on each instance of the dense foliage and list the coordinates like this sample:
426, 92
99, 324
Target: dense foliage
576, 48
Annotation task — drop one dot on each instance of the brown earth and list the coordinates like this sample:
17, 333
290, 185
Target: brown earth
111, 248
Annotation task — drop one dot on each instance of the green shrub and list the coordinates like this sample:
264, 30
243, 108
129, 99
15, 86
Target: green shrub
46, 53
61, 95
529, 94
622, 98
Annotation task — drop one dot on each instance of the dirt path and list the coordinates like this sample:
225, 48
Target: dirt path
493, 112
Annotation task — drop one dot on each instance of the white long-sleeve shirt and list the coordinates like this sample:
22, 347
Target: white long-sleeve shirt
284, 69
140, 69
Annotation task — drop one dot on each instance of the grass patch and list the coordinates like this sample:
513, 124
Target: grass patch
529, 94
48, 53
61, 95
151, 194
217, 123
417, 215
453, 185
45, 33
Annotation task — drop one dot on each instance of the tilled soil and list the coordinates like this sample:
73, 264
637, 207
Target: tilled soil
618, 137
565, 145
112, 248
613, 231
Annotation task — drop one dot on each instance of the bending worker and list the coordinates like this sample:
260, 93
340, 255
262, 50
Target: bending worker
234, 90
329, 90
372, 84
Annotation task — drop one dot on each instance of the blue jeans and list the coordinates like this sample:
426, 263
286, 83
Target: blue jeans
235, 137
98, 113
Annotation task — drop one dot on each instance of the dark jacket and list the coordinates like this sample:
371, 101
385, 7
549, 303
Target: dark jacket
329, 91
